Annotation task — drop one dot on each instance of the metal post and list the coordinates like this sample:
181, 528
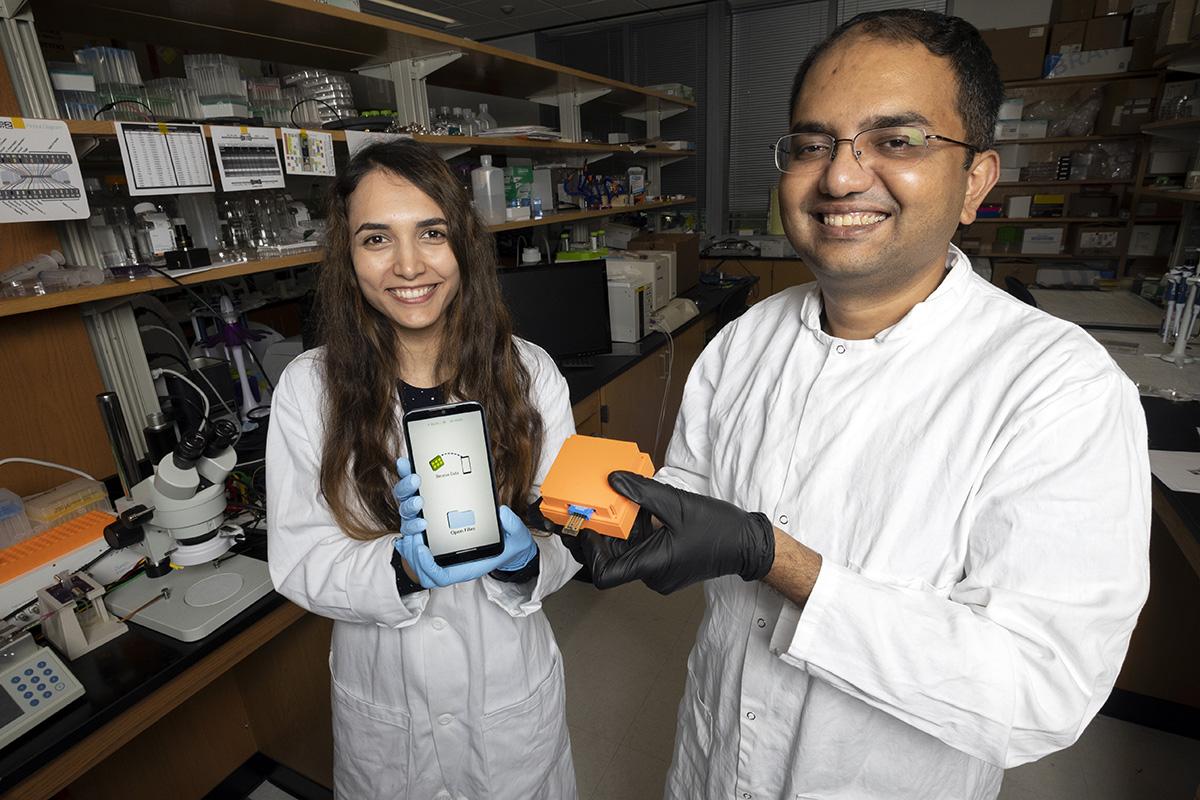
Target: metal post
408, 77
21, 51
569, 95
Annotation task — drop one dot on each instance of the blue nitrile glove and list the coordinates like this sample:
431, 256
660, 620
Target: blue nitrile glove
519, 547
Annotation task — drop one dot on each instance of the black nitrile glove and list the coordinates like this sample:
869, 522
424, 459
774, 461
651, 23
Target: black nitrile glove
700, 538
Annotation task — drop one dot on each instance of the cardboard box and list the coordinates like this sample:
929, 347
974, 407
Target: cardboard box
1021, 129
1127, 106
1090, 62
1010, 174
1011, 108
1014, 156
1017, 206
1104, 33
687, 252
1104, 7
1018, 52
1099, 241
1145, 53
1067, 37
1068, 10
1175, 27
1143, 241
1023, 271
1145, 20
987, 14
1042, 241
1007, 129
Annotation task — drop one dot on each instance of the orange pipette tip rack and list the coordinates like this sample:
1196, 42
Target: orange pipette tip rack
578, 479
50, 545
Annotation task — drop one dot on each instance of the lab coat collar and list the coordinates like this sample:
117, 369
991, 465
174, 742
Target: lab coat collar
934, 311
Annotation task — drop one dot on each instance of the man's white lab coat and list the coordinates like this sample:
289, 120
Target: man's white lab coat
450, 693
976, 478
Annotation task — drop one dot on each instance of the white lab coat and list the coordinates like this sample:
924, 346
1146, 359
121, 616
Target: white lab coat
976, 478
454, 693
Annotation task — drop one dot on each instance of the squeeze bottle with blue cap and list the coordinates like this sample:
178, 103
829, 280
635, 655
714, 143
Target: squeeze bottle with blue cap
487, 183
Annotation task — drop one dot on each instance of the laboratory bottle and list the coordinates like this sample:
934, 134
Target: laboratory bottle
637, 184
487, 184
470, 123
456, 122
486, 120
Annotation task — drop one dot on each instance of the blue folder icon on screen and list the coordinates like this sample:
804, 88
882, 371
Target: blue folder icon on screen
460, 519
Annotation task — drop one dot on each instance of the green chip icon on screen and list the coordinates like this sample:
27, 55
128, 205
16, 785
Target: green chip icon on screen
437, 462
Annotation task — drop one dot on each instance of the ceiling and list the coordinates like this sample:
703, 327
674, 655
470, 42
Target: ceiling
491, 19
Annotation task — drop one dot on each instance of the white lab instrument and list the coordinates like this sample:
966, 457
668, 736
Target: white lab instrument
674, 314
636, 268
36, 686
73, 631
1182, 324
177, 520
669, 258
628, 310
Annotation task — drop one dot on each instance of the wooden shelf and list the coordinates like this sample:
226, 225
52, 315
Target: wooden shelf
106, 128
1066, 139
313, 34
579, 216
106, 291
1047, 220
1047, 82
1055, 257
1018, 184
1178, 195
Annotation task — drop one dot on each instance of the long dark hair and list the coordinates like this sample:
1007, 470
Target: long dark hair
477, 359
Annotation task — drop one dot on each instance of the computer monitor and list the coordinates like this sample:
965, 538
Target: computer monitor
562, 307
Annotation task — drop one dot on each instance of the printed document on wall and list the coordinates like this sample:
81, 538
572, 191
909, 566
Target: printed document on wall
307, 152
164, 158
39, 172
247, 158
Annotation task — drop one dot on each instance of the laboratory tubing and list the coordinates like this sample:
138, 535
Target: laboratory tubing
487, 183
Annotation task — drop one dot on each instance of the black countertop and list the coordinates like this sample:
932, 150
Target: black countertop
116, 676
1173, 426
722, 300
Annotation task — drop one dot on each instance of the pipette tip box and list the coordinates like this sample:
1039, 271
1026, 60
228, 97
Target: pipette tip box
577, 485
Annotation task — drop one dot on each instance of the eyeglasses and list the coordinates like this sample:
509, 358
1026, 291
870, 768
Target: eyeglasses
879, 150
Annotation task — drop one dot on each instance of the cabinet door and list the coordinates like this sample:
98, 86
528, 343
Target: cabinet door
688, 346
631, 403
790, 273
587, 415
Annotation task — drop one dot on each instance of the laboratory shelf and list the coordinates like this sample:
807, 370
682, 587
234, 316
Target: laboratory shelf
1046, 220
1090, 182
579, 216
10, 306
1178, 195
1067, 139
1048, 82
522, 144
1046, 257
319, 35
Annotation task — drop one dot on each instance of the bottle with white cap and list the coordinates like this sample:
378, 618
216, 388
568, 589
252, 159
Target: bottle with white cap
487, 184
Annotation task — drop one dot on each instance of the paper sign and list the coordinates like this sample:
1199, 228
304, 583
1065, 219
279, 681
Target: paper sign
247, 158
162, 158
307, 152
39, 172
356, 140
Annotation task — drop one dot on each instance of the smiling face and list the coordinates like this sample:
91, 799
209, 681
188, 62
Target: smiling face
864, 230
401, 252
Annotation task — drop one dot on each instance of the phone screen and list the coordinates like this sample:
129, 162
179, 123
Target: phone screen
450, 453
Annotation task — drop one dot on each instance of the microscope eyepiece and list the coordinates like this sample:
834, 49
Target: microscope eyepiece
189, 450
223, 434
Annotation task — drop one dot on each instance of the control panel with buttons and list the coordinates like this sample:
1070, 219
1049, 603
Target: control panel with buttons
36, 685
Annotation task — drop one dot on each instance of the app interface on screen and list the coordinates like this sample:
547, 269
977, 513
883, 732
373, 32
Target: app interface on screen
450, 455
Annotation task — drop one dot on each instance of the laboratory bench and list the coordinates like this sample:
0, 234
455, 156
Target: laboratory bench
163, 718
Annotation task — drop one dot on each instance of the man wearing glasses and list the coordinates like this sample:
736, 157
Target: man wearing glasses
921, 508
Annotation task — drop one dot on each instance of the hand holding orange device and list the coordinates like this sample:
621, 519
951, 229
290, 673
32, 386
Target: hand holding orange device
576, 494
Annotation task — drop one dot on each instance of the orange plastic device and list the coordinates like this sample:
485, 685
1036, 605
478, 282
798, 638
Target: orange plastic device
577, 485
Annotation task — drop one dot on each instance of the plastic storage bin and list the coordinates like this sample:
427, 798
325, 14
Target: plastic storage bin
66, 502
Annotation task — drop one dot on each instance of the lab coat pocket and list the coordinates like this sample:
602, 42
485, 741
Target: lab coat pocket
372, 749
693, 743
523, 742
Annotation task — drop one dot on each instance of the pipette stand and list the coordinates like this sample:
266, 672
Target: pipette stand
75, 632
1178, 355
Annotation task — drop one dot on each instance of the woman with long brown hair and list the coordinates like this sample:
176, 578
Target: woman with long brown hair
445, 685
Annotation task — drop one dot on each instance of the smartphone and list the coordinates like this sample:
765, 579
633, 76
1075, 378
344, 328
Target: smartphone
448, 447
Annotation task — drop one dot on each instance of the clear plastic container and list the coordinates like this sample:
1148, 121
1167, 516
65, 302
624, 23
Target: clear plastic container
215, 76
77, 105
111, 65
14, 524
486, 120
173, 98
66, 502
487, 184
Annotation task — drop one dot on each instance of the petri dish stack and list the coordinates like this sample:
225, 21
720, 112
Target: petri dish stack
330, 95
173, 98
218, 83
118, 82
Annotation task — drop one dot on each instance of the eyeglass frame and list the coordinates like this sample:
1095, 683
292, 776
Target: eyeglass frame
833, 150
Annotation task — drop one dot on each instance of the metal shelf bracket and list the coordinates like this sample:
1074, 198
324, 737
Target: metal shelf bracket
569, 96
408, 78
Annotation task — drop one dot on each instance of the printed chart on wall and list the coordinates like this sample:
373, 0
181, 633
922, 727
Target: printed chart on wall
307, 152
162, 158
247, 158
39, 172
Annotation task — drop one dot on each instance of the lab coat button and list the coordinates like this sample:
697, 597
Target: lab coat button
438, 623
750, 715
841, 348
746, 796
445, 719
762, 623
783, 519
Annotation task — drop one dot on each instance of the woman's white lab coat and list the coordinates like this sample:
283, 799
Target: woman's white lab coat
452, 693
